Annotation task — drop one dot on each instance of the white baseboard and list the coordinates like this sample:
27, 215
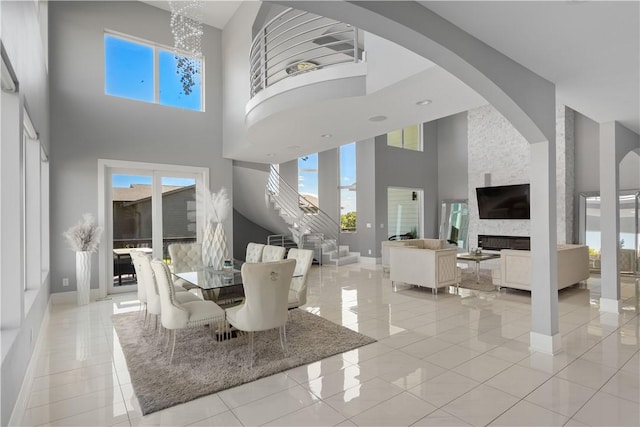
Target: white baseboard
22, 401
368, 260
609, 305
71, 297
545, 343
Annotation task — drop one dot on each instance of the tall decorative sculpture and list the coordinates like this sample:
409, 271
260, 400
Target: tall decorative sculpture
214, 208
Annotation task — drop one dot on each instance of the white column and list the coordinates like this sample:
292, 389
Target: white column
609, 220
545, 335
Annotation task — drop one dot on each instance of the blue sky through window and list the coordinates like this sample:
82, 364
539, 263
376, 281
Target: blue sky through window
171, 91
308, 174
127, 180
347, 177
128, 69
130, 73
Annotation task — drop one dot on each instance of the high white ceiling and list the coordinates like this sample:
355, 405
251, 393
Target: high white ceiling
589, 49
216, 12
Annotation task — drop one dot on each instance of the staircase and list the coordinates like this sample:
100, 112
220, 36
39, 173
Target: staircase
310, 227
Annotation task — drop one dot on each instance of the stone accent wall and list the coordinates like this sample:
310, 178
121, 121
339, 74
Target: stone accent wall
496, 148
565, 175
499, 155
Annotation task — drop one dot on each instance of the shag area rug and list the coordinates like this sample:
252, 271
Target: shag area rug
201, 365
469, 280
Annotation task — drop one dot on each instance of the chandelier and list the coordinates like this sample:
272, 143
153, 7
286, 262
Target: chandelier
186, 27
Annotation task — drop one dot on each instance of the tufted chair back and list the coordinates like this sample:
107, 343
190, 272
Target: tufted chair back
273, 253
304, 259
254, 252
266, 288
172, 315
185, 256
135, 260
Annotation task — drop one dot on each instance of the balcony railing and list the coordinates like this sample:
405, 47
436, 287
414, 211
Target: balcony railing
296, 42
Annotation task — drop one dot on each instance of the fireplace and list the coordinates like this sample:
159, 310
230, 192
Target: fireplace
496, 243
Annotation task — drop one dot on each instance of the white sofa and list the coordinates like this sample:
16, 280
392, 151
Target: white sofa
416, 243
431, 268
515, 267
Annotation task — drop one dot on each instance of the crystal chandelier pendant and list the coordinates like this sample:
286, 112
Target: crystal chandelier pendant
186, 27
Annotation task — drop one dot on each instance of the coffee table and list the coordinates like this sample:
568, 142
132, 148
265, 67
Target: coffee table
477, 259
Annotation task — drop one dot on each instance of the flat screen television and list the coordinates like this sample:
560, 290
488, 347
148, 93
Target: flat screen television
504, 202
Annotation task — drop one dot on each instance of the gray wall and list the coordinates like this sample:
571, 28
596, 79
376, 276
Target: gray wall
395, 167
245, 231
453, 149
367, 238
25, 47
587, 167
328, 182
88, 125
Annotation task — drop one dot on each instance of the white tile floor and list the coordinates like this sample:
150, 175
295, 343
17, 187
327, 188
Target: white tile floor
439, 360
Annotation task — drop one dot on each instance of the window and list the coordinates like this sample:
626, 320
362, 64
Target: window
308, 183
36, 207
407, 138
148, 72
348, 187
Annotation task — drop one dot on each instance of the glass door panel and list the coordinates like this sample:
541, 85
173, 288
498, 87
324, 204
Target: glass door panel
629, 239
178, 211
132, 224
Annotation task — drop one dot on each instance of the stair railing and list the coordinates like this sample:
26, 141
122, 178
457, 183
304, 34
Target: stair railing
296, 42
303, 216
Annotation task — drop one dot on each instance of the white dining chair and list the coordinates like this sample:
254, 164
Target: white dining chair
298, 288
272, 253
254, 252
266, 289
142, 291
175, 315
148, 281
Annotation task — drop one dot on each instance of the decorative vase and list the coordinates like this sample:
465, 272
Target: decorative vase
207, 244
83, 276
220, 249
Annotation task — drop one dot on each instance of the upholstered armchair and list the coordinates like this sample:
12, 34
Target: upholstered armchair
272, 253
254, 252
266, 289
298, 288
175, 315
432, 268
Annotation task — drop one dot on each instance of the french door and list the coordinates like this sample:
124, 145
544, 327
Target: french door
146, 207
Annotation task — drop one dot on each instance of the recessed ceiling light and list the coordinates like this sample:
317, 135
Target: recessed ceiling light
424, 102
270, 154
326, 135
377, 118
293, 147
